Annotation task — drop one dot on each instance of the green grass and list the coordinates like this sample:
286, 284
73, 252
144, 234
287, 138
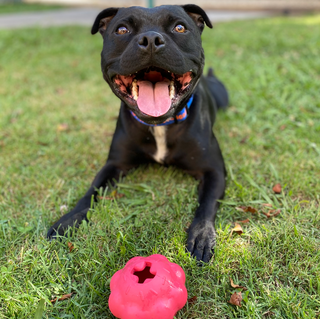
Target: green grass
17, 7
269, 134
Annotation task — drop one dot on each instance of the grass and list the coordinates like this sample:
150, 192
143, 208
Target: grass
17, 7
269, 135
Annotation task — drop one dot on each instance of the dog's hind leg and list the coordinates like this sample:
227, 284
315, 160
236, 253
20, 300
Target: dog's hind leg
217, 90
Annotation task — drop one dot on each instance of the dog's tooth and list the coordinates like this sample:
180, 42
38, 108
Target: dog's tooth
135, 89
172, 90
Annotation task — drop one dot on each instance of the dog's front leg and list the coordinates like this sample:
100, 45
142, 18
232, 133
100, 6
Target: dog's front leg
107, 175
201, 234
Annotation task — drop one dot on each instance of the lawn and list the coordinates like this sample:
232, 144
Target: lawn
17, 7
57, 117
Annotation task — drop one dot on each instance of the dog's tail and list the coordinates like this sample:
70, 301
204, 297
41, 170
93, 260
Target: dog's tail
217, 90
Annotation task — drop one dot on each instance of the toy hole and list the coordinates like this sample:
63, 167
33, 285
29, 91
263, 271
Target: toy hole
144, 274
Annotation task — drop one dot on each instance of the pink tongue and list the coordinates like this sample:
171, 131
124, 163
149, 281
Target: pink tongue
154, 99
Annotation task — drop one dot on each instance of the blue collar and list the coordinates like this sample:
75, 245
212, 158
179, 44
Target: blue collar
181, 116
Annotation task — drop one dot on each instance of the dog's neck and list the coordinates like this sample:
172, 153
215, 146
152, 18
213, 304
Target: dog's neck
181, 116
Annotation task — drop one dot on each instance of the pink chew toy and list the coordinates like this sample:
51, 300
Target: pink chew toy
148, 288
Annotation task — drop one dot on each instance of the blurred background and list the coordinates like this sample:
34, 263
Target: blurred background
291, 5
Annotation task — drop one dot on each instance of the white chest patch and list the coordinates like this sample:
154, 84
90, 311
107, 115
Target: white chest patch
159, 133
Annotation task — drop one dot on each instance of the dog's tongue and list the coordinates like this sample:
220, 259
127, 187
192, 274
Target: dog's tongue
154, 99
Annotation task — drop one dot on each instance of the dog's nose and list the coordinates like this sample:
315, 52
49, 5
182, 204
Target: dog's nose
151, 41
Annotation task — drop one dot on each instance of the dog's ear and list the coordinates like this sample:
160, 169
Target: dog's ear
102, 20
198, 15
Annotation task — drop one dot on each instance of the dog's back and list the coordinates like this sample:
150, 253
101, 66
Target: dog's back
217, 90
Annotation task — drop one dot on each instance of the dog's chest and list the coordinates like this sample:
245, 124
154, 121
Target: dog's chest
159, 133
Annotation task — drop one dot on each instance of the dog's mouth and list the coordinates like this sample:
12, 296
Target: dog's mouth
153, 90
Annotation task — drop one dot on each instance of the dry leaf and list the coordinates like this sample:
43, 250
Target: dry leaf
282, 127
59, 90
64, 297
237, 229
42, 143
246, 209
267, 205
269, 213
277, 212
244, 221
93, 166
244, 140
192, 300
251, 210
236, 299
70, 246
266, 214
233, 285
277, 188
62, 127
114, 195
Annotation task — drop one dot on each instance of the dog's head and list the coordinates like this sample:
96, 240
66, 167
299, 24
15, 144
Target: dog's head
152, 58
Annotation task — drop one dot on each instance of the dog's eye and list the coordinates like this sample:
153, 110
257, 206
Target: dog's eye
122, 30
180, 28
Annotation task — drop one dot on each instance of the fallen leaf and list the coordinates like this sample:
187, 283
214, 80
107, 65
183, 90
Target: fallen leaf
236, 299
42, 143
244, 221
244, 140
59, 90
251, 210
233, 285
266, 214
62, 127
267, 205
237, 229
93, 166
246, 209
114, 195
277, 188
64, 297
70, 246
274, 211
192, 300
282, 127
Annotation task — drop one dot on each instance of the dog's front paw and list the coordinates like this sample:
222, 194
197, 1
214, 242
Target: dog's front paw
70, 220
201, 240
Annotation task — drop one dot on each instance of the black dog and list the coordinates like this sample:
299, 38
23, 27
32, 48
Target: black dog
153, 61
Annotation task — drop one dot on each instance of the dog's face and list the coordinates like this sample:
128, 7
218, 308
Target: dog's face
152, 58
